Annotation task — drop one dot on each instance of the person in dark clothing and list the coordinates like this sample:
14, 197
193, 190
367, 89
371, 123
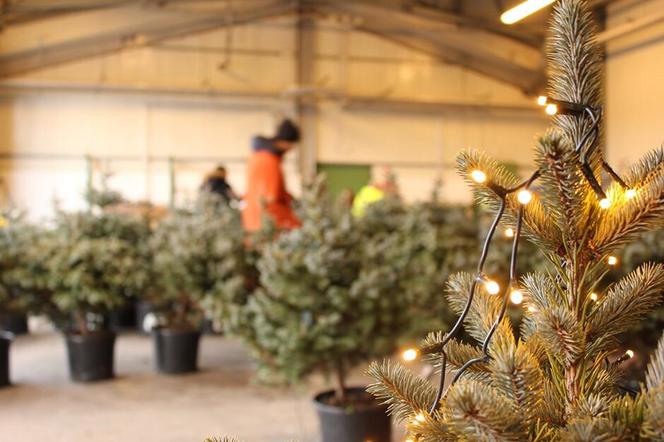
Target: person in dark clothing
266, 185
216, 183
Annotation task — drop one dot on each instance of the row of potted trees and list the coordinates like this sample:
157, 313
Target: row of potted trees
328, 296
84, 265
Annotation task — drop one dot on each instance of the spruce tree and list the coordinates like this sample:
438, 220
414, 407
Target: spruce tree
560, 380
22, 280
199, 266
329, 298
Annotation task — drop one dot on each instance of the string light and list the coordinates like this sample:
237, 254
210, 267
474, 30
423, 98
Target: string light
593, 297
524, 196
516, 297
629, 354
478, 176
551, 109
587, 143
585, 147
409, 355
492, 287
419, 417
630, 193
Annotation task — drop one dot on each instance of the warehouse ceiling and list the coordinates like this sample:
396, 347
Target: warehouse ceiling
467, 33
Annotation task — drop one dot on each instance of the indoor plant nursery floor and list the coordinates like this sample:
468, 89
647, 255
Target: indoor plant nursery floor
142, 406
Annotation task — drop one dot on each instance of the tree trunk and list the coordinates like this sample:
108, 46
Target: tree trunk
81, 323
340, 377
571, 383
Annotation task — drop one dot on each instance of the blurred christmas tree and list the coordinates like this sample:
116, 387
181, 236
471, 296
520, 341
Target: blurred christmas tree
329, 298
94, 263
23, 283
561, 379
199, 265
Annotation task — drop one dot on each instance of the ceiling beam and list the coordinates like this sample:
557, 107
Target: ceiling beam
33, 59
529, 82
430, 16
466, 21
441, 41
599, 3
268, 98
26, 12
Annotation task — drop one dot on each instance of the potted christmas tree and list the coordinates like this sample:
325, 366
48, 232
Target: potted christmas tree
328, 300
198, 258
95, 262
21, 281
102, 198
561, 379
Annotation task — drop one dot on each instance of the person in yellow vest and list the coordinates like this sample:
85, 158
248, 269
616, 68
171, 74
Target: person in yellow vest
374, 192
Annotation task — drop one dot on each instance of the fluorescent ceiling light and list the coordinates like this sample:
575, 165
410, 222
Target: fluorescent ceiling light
523, 10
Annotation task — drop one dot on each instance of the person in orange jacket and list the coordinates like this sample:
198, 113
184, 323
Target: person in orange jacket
266, 186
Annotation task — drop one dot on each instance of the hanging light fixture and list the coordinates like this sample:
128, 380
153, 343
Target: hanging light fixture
523, 10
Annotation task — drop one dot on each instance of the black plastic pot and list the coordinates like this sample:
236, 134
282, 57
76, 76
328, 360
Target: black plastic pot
5, 341
176, 350
366, 421
90, 356
124, 318
16, 323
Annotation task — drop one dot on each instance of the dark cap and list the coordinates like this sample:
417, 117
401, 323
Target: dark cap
287, 131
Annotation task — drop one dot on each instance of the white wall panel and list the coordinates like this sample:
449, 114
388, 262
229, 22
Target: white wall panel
188, 126
635, 86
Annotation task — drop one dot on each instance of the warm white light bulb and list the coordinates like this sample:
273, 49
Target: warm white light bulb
605, 203
630, 193
492, 287
551, 109
593, 296
420, 417
524, 196
629, 354
612, 260
541, 100
532, 309
478, 176
516, 297
409, 355
523, 10
509, 232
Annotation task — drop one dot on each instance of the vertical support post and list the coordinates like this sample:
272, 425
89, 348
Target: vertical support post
89, 176
171, 182
306, 106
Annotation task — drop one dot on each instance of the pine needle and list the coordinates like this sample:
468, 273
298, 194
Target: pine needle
562, 184
477, 412
628, 301
405, 394
516, 374
655, 371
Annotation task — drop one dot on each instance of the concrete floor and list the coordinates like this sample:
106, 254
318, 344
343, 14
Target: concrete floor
142, 406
